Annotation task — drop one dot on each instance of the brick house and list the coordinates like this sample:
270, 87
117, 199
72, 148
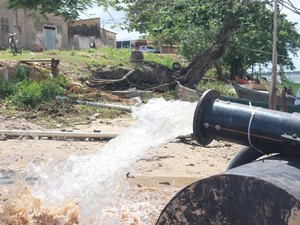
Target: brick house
32, 34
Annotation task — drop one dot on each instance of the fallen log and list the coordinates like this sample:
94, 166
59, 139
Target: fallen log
53, 62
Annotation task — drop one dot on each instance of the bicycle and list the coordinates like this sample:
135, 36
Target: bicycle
14, 44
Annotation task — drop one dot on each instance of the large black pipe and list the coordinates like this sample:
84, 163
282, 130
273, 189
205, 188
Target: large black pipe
265, 130
264, 192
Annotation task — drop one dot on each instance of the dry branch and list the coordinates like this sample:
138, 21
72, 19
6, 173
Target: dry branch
113, 81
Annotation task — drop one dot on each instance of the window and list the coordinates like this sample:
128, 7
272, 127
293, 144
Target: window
4, 25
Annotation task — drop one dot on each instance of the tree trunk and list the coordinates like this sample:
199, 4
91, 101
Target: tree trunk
236, 68
219, 71
204, 61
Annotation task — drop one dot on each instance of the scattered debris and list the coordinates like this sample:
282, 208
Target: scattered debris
165, 183
132, 93
156, 158
3, 137
129, 176
98, 104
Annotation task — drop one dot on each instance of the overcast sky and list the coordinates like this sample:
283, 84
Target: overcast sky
295, 18
109, 19
113, 17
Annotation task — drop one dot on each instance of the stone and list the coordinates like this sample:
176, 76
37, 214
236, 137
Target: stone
137, 56
3, 137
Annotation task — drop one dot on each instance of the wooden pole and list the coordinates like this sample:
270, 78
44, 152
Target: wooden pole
37, 133
273, 89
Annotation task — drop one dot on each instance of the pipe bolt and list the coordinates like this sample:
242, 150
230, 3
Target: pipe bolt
206, 125
218, 127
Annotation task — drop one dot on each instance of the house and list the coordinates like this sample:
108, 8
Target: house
87, 33
169, 49
135, 44
51, 33
109, 38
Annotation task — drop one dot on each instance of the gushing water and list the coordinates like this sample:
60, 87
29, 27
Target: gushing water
98, 181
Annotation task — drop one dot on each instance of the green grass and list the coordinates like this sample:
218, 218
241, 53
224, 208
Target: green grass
94, 58
38, 97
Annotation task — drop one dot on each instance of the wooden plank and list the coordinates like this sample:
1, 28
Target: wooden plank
35, 60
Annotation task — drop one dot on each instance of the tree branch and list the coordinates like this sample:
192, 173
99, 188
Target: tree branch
106, 81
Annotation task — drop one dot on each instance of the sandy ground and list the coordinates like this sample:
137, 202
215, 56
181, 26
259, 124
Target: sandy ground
169, 167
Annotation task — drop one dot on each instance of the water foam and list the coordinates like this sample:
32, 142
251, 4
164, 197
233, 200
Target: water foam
98, 181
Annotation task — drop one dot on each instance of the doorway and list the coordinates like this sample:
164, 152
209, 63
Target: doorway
50, 37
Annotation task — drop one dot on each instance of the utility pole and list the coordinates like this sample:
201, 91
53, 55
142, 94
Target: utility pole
272, 98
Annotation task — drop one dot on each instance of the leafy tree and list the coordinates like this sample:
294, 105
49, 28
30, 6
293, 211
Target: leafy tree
68, 9
252, 43
168, 19
238, 31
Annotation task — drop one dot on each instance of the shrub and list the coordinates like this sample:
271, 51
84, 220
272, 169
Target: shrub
6, 88
62, 80
22, 72
28, 94
50, 89
32, 93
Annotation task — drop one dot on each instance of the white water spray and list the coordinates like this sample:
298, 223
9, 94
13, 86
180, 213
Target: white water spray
98, 181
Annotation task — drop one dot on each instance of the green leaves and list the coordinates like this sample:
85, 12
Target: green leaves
68, 9
195, 24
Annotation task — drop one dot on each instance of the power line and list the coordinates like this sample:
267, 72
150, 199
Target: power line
258, 50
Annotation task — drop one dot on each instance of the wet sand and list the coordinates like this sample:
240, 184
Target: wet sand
156, 177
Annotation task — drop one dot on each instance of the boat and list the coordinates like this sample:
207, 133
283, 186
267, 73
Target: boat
187, 94
241, 80
267, 85
289, 108
289, 85
256, 85
260, 96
